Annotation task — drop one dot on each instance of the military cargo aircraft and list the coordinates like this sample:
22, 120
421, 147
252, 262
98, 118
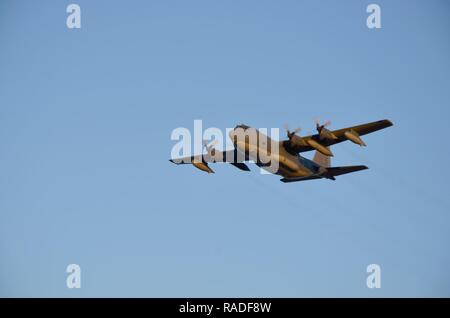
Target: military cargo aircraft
285, 159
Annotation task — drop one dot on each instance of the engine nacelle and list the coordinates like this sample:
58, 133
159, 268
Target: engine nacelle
353, 136
320, 148
326, 134
203, 166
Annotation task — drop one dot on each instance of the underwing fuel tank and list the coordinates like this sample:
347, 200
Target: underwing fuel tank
203, 166
353, 136
320, 148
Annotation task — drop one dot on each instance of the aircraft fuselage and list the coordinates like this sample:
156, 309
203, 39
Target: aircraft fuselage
282, 162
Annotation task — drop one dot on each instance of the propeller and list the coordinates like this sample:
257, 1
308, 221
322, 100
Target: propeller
324, 133
291, 134
209, 146
320, 127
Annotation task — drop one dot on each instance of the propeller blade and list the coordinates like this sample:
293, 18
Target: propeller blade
209, 142
320, 127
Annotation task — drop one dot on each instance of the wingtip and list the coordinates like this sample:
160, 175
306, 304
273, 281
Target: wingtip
390, 123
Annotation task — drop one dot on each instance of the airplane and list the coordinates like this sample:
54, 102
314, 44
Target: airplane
290, 165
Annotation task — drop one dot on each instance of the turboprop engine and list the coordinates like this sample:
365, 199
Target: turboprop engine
319, 147
311, 142
325, 133
203, 166
211, 152
353, 136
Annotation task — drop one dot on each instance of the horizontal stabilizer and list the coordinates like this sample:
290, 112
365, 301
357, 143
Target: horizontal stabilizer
337, 171
329, 174
286, 180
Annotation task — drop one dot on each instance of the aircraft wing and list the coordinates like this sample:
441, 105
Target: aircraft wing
230, 156
301, 143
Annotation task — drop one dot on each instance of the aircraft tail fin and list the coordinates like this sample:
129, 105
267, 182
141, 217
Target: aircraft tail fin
322, 160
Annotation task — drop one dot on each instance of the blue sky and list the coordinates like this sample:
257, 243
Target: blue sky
85, 123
